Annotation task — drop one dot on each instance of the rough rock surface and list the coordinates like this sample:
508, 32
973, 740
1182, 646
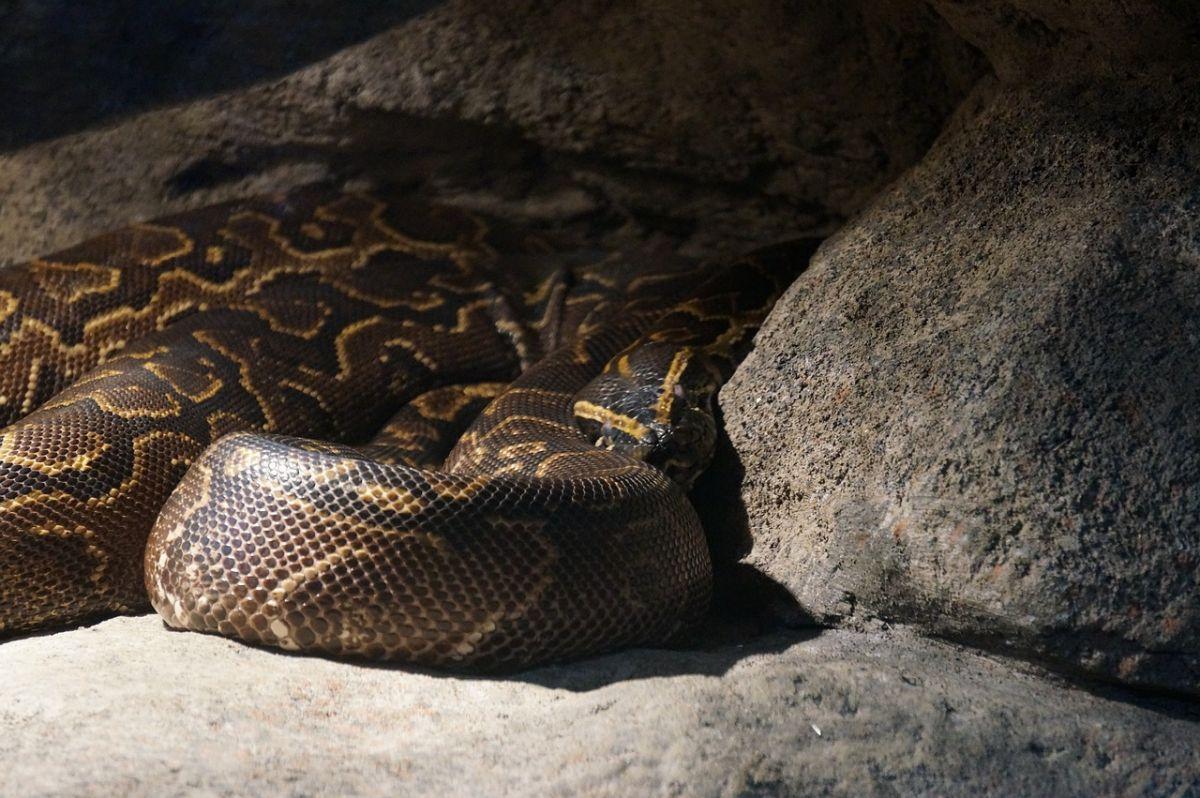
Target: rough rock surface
985, 404
69, 65
643, 126
819, 103
1033, 39
129, 708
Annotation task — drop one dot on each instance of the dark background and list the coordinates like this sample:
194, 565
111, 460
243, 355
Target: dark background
105, 59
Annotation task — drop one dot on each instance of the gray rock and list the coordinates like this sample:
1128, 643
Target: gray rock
819, 103
984, 415
1034, 39
128, 708
621, 99
68, 66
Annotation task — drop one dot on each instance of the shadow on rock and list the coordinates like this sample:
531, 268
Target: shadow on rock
88, 63
636, 664
751, 615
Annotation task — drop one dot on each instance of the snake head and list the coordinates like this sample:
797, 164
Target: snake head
654, 403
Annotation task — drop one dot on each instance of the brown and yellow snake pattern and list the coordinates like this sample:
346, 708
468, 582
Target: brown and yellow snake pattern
524, 503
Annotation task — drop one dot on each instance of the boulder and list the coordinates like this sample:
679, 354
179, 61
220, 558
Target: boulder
816, 107
983, 413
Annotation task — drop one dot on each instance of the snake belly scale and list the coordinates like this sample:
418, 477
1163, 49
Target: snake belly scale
365, 426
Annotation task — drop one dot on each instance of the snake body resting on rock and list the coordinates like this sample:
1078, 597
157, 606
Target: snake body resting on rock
149, 379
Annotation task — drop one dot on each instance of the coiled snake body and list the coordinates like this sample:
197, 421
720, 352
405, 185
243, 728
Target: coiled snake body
149, 378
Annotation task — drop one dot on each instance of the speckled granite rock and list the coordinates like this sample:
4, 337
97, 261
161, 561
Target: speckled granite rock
129, 708
985, 405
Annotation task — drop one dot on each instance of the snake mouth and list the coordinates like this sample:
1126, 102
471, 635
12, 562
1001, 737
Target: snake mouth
620, 443
681, 450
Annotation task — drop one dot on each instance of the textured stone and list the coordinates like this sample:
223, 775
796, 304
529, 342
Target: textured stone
984, 413
129, 708
819, 103
69, 65
1034, 39
817, 108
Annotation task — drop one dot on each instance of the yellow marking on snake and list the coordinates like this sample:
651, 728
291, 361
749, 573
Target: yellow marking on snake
35, 375
517, 450
460, 491
343, 343
98, 554
445, 404
666, 398
8, 305
123, 404
312, 393
594, 412
244, 379
81, 461
413, 349
183, 244
393, 499
518, 419
71, 282
214, 386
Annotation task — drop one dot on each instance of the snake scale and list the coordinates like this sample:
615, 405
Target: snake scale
507, 430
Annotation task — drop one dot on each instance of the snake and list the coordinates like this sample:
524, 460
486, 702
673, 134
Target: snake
367, 425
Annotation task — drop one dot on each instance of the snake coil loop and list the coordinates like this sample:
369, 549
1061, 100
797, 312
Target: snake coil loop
525, 502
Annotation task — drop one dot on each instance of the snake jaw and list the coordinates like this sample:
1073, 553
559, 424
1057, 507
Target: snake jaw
655, 405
